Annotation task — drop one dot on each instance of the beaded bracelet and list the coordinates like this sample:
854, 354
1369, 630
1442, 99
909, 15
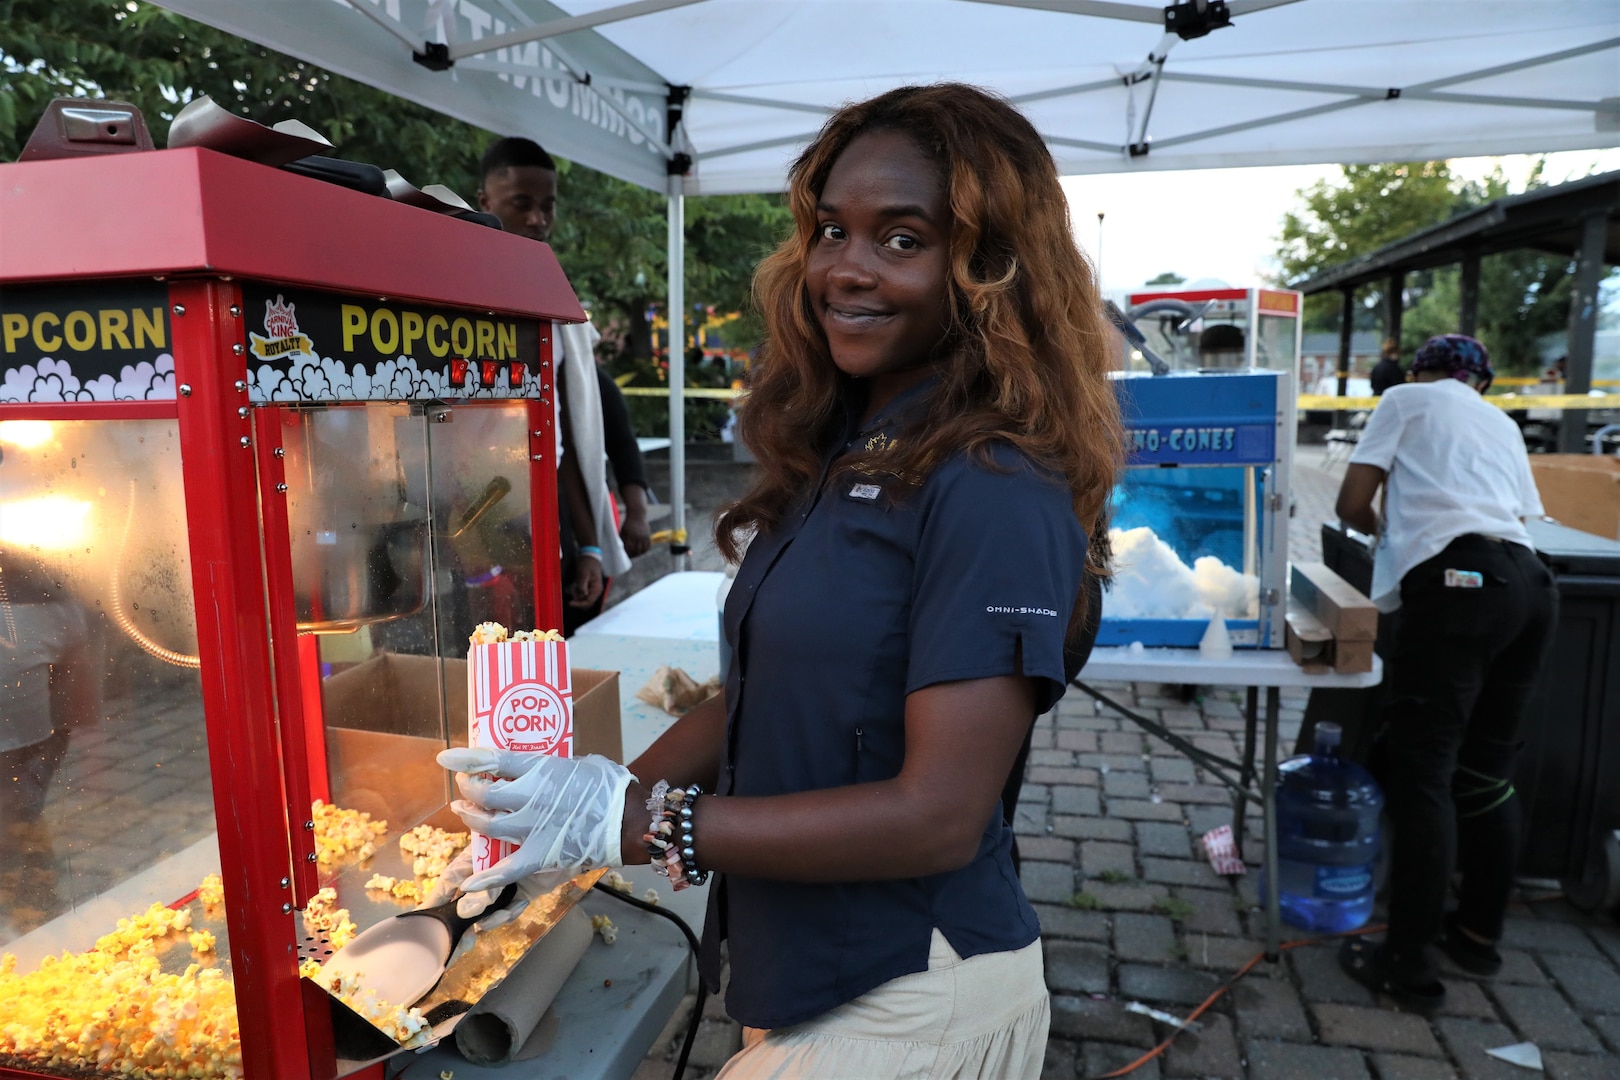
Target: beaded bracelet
674, 856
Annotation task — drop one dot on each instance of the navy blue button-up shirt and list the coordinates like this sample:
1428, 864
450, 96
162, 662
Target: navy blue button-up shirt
866, 591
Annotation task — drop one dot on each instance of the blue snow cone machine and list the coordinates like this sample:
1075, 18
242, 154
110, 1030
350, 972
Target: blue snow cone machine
1200, 519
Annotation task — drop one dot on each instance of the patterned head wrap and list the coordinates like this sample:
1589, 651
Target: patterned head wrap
1458, 356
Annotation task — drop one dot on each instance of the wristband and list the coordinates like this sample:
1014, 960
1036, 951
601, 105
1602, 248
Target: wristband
485, 578
590, 551
670, 838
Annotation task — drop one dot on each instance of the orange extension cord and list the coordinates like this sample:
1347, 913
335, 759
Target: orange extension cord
1223, 988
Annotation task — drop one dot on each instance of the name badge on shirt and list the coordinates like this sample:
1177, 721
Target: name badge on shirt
1464, 579
866, 492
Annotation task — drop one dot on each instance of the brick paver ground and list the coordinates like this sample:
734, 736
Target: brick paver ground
1142, 917
1131, 911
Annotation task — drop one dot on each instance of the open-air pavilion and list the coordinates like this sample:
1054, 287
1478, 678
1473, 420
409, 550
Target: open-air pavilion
1579, 220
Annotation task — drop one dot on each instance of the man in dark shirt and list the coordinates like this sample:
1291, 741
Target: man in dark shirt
1388, 371
518, 184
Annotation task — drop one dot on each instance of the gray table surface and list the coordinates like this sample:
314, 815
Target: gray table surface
611, 1009
603, 1032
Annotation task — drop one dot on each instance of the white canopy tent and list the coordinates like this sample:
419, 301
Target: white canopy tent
698, 97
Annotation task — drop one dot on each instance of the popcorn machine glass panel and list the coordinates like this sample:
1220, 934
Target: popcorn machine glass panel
482, 530
408, 524
1277, 341
106, 802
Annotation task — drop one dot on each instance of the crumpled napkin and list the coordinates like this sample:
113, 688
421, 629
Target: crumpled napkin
676, 692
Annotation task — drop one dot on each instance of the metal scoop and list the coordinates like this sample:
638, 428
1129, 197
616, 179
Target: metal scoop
403, 957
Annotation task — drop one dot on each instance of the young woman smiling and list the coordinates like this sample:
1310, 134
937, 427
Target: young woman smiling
936, 437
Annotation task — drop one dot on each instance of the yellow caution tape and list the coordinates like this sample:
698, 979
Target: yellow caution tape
1510, 402
1529, 380
722, 393
669, 536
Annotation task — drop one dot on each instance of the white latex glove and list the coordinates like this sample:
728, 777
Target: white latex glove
566, 813
472, 903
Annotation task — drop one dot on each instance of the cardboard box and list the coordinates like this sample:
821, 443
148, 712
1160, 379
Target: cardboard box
1581, 490
1339, 605
1314, 648
1309, 643
384, 725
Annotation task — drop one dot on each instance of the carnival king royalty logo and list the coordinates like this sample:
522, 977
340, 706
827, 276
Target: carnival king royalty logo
282, 336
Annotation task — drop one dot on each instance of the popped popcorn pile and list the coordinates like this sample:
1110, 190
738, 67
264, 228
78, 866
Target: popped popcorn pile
487, 633
408, 1027
493, 633
113, 1009
431, 850
339, 832
211, 892
323, 916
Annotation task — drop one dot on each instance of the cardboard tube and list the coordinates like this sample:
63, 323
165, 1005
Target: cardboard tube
496, 1029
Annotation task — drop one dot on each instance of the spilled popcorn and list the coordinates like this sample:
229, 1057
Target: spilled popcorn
338, 832
212, 891
430, 850
323, 916
408, 1027
605, 929
113, 1010
202, 941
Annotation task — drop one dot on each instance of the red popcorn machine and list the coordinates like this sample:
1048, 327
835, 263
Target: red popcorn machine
270, 447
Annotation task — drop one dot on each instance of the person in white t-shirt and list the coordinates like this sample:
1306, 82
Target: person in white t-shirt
1477, 614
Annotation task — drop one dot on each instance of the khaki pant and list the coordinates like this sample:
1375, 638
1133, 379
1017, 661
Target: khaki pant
984, 1018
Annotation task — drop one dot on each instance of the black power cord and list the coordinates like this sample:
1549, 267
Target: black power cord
691, 939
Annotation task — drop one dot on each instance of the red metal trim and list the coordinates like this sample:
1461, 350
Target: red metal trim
548, 598
286, 655
71, 218
309, 670
1193, 295
89, 410
238, 685
7, 1073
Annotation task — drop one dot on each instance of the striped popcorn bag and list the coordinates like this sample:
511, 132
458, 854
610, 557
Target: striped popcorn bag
520, 698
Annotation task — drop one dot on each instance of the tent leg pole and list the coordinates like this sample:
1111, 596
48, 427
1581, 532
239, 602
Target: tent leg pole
677, 372
1583, 309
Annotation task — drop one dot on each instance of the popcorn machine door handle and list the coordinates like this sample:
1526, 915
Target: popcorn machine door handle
403, 957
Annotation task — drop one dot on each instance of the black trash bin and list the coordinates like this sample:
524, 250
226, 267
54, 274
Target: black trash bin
1569, 773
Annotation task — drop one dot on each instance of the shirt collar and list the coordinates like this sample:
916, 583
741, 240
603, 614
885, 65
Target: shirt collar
903, 406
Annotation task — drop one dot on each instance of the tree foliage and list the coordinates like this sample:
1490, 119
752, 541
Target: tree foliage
610, 235
1523, 296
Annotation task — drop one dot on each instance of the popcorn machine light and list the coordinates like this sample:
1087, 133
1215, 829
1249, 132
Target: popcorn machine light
255, 428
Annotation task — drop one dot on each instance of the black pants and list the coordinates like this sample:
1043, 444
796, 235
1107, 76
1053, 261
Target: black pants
1465, 662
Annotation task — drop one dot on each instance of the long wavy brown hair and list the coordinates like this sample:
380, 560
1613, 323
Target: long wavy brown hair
1025, 359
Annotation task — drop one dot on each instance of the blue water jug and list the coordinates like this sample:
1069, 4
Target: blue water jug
1327, 837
